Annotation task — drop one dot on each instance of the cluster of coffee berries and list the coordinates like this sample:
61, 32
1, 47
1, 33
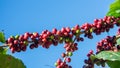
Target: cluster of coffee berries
106, 44
66, 59
87, 30
71, 47
63, 64
102, 25
66, 35
88, 62
99, 26
20, 42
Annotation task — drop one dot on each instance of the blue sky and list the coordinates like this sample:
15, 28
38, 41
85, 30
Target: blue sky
20, 16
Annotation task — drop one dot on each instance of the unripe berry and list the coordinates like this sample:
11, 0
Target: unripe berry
69, 53
17, 37
25, 43
55, 64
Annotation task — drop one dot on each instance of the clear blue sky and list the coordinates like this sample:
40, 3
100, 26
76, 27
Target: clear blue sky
20, 16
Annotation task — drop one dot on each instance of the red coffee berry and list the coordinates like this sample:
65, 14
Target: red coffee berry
15, 42
68, 60
63, 55
54, 31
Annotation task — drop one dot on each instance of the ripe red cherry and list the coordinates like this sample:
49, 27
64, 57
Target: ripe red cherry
77, 27
63, 30
27, 34
54, 31
21, 37
32, 37
25, 37
91, 51
59, 66
44, 36
58, 32
12, 50
24, 48
32, 46
63, 55
15, 42
10, 40
68, 60
35, 34
68, 29
48, 33
59, 61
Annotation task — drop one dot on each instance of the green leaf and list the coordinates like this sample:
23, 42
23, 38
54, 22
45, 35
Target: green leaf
2, 38
92, 57
118, 41
3, 50
113, 58
109, 55
8, 61
113, 64
114, 9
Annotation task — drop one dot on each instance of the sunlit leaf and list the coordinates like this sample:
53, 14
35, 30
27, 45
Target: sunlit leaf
2, 38
8, 61
114, 9
109, 55
113, 64
3, 50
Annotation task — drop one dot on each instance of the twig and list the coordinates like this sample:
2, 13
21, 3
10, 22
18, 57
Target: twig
4, 45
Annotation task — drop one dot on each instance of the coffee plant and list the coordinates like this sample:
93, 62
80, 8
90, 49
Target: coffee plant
107, 50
